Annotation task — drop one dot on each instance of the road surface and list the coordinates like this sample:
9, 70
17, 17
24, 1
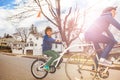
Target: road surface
18, 68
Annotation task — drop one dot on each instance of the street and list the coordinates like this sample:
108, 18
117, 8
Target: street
18, 68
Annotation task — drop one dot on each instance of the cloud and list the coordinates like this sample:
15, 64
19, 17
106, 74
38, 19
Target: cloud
5, 26
17, 1
20, 2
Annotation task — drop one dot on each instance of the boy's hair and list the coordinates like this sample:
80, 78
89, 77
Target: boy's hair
108, 9
47, 29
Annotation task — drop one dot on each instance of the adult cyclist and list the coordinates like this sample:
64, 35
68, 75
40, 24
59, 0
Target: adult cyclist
99, 32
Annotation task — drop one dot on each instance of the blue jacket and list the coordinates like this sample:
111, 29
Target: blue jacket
47, 43
102, 25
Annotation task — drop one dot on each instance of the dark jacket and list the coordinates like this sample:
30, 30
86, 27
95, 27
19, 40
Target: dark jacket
47, 43
102, 25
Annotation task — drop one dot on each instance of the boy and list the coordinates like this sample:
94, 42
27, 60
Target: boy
47, 46
95, 34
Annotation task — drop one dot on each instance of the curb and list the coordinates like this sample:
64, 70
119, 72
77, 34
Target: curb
28, 56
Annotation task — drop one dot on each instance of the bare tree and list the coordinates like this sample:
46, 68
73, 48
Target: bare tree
26, 10
23, 33
67, 25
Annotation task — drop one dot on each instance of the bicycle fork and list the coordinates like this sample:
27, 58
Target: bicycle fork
106, 69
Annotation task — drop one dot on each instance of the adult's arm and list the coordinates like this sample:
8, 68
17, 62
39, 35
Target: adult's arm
109, 34
114, 22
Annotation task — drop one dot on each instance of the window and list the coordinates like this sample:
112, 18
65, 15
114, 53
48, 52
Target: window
37, 38
14, 44
56, 46
31, 44
35, 44
30, 39
26, 45
19, 48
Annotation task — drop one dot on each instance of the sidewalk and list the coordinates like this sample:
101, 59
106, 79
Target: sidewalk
22, 55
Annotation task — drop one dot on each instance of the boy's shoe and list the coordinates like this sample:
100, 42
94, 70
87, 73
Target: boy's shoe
47, 68
105, 62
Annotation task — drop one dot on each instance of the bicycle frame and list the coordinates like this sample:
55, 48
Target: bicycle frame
61, 54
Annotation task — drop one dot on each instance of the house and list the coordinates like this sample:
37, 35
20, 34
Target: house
60, 48
17, 37
6, 41
57, 47
18, 47
33, 44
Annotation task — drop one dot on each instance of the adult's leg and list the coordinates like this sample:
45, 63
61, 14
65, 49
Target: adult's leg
107, 50
97, 48
98, 51
100, 38
94, 39
105, 40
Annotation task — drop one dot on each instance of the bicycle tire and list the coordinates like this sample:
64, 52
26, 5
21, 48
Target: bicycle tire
76, 61
40, 63
52, 69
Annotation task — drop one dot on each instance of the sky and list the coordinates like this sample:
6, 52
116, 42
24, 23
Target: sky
8, 8
6, 2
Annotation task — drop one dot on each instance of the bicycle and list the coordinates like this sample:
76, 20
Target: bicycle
37, 65
85, 66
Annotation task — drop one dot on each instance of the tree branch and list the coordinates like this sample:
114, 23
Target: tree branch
66, 17
38, 3
51, 8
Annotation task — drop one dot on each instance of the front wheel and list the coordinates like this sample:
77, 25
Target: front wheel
80, 67
37, 69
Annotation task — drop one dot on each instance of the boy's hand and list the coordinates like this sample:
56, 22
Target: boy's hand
57, 41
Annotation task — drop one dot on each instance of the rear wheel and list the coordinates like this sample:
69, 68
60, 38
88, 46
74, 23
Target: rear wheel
37, 69
52, 69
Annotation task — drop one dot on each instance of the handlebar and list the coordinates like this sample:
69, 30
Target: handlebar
117, 45
64, 44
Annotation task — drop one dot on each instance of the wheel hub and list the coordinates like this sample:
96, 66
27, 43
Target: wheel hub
102, 74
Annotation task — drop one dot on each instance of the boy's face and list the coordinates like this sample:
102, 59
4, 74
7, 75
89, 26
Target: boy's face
49, 32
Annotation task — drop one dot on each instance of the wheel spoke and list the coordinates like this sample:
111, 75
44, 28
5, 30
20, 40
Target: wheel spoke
80, 65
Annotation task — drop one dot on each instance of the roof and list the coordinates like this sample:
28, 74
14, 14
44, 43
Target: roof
18, 42
7, 40
36, 34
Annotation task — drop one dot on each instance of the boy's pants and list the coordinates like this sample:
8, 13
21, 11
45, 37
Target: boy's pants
52, 54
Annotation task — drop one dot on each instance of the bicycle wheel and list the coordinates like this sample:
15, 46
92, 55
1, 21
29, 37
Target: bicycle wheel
80, 67
52, 69
37, 69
